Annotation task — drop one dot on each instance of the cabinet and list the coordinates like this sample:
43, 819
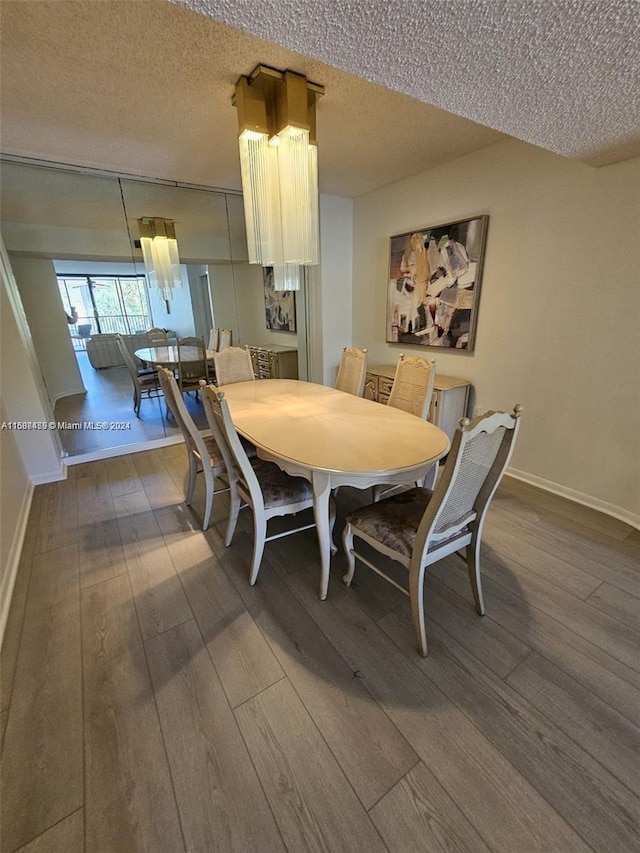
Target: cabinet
274, 362
449, 402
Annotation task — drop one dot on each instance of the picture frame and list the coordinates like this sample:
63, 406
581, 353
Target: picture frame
433, 288
280, 305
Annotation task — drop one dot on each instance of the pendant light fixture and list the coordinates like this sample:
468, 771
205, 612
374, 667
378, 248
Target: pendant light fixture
279, 167
160, 253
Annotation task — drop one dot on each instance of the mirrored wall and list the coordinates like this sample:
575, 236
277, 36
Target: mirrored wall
71, 238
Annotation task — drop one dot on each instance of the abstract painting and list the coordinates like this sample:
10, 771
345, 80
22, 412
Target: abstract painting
280, 305
434, 284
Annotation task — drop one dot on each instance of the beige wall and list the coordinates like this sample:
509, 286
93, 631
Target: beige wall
558, 310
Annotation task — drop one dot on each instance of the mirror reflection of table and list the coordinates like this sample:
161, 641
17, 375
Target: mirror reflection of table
168, 356
332, 439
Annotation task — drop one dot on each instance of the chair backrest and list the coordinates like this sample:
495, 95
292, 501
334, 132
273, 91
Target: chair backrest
479, 455
157, 338
239, 468
191, 372
185, 422
224, 339
214, 336
128, 359
233, 365
352, 371
413, 385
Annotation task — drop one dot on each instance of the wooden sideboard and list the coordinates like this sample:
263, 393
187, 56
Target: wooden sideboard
449, 403
274, 362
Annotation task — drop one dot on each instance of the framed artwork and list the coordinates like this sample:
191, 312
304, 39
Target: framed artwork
280, 305
434, 284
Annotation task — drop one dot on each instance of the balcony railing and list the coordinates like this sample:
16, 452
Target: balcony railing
124, 324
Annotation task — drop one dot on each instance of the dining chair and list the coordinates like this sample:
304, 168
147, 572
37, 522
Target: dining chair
416, 528
411, 392
192, 372
233, 364
412, 387
224, 339
352, 371
214, 335
157, 338
203, 451
260, 484
145, 380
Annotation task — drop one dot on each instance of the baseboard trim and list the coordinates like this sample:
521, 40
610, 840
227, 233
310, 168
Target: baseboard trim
124, 449
15, 552
630, 518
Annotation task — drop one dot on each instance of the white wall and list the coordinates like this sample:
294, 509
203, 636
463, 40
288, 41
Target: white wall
252, 318
38, 286
558, 309
330, 289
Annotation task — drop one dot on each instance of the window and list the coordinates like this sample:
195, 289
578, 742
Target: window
104, 304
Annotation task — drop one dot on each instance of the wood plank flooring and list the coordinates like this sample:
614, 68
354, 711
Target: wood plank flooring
109, 399
153, 702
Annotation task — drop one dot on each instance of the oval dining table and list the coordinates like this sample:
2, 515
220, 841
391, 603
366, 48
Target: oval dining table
168, 356
332, 439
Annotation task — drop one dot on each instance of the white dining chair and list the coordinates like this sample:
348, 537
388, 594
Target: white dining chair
352, 371
269, 491
192, 372
224, 339
145, 380
419, 527
233, 364
203, 451
413, 385
214, 335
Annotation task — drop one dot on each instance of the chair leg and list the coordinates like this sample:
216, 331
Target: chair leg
347, 539
473, 565
416, 588
191, 484
234, 510
137, 400
259, 536
210, 482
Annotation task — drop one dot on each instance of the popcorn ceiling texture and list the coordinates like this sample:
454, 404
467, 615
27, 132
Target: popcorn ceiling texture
561, 74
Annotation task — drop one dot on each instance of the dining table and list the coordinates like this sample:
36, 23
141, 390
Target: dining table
168, 356
332, 439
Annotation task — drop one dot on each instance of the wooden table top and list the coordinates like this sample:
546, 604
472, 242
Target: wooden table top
328, 430
169, 355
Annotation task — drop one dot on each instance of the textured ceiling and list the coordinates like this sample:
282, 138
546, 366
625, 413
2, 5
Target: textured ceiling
561, 74
144, 86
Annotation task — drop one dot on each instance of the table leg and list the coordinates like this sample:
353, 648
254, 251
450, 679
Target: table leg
321, 496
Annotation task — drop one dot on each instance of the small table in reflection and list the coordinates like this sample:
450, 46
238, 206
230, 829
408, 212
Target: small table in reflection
168, 356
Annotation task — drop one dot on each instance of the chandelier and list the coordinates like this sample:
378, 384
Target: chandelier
279, 168
160, 253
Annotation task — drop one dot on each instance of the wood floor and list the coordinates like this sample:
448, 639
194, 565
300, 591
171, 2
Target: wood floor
153, 701
109, 400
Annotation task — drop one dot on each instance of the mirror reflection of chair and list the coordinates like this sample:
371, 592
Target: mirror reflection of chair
214, 335
352, 371
145, 380
419, 527
233, 364
203, 452
413, 385
224, 339
157, 338
262, 485
192, 371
